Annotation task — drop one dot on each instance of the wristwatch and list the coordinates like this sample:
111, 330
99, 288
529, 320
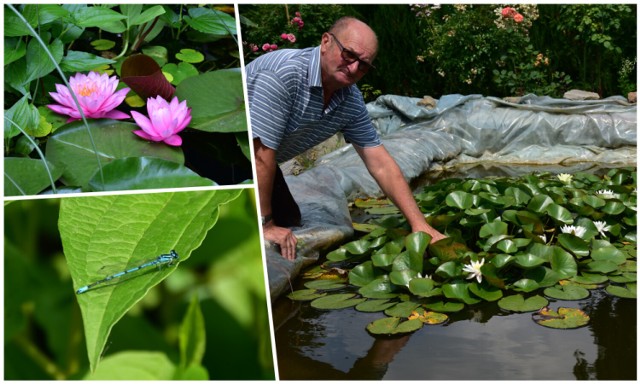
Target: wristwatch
265, 219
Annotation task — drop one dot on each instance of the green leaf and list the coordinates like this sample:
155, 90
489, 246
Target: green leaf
526, 285
14, 49
140, 18
563, 263
211, 21
379, 288
363, 274
190, 56
103, 44
23, 114
609, 253
459, 199
145, 173
560, 213
375, 305
459, 291
564, 318
192, 335
13, 26
540, 203
630, 291
574, 244
517, 303
25, 176
76, 61
93, 235
416, 244
441, 306
305, 295
134, 365
495, 228
402, 309
103, 18
337, 301
180, 72
217, 101
325, 284
529, 261
488, 293
392, 325
423, 287
70, 148
567, 292
357, 247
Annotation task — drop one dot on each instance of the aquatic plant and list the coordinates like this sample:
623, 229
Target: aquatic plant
525, 240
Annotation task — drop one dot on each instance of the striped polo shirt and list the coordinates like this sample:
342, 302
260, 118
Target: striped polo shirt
287, 106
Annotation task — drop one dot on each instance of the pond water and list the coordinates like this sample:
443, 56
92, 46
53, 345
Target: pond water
482, 342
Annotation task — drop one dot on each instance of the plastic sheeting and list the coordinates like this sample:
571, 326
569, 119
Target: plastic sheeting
457, 130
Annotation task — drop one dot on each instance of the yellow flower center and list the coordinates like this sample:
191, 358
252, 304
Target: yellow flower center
86, 89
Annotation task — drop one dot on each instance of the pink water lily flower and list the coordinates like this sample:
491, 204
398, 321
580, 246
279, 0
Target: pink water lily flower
165, 120
96, 94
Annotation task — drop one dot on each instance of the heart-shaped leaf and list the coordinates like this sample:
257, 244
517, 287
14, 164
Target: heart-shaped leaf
25, 176
563, 318
70, 148
517, 303
145, 173
91, 229
337, 301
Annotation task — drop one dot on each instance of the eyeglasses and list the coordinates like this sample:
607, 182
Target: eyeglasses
351, 57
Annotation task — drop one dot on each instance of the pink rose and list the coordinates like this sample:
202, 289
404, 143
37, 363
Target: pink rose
298, 14
291, 37
508, 12
284, 36
518, 18
274, 47
253, 47
266, 47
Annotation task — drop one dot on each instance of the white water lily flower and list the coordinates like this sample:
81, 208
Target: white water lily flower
601, 226
574, 230
565, 178
606, 194
474, 270
543, 237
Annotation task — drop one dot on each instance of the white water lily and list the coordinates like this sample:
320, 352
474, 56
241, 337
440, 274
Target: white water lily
543, 237
574, 230
606, 194
565, 178
474, 270
601, 226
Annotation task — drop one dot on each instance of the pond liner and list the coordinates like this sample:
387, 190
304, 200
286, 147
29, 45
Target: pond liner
459, 129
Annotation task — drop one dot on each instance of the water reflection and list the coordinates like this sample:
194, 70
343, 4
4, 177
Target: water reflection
481, 343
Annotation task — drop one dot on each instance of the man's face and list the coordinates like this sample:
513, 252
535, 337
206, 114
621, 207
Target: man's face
358, 41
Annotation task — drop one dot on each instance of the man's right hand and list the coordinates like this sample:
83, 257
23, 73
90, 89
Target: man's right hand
284, 237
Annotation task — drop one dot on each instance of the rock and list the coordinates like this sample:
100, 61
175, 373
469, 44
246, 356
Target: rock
576, 94
632, 97
427, 102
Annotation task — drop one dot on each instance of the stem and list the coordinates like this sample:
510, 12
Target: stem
44, 160
40, 358
64, 79
286, 12
143, 34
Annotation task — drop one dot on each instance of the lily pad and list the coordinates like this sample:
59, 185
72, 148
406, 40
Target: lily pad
459, 291
630, 291
563, 318
567, 292
337, 301
393, 325
24, 176
488, 293
325, 284
517, 303
375, 305
379, 288
305, 295
428, 317
403, 309
70, 149
441, 306
624, 278
145, 173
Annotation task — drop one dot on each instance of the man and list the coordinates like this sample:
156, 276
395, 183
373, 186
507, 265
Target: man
299, 98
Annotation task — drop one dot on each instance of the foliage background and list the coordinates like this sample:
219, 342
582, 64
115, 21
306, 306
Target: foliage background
588, 46
43, 326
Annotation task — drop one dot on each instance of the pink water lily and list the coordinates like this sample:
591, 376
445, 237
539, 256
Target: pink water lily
96, 94
165, 120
